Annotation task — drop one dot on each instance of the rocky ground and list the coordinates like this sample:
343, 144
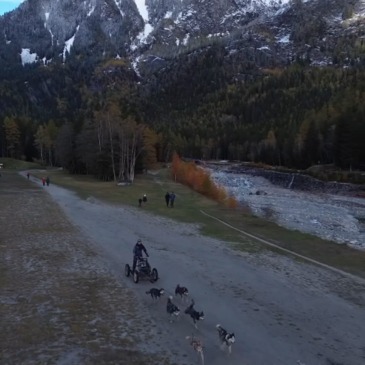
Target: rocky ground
65, 298
335, 217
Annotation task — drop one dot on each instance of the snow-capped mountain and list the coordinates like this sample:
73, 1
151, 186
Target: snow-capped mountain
44, 31
153, 31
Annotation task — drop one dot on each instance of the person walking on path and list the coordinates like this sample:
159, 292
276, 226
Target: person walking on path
172, 199
28, 174
47, 181
167, 198
43, 181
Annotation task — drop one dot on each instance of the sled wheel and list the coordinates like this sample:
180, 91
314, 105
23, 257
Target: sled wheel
135, 277
127, 270
154, 275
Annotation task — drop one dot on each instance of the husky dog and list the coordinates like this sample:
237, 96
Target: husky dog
155, 293
182, 291
171, 308
195, 315
197, 346
226, 339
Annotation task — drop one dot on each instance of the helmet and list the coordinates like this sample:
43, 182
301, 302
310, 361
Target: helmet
139, 242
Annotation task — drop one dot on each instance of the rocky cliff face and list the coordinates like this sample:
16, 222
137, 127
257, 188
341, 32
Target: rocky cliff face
53, 31
152, 32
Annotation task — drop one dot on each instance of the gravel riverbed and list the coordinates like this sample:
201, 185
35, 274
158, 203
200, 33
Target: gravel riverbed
338, 218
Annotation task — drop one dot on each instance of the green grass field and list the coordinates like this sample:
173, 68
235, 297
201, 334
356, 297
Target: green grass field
189, 208
12, 164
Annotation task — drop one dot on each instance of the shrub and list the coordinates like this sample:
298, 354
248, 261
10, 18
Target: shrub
198, 179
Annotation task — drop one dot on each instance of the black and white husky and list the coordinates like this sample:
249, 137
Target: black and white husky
172, 309
195, 315
182, 291
155, 293
226, 339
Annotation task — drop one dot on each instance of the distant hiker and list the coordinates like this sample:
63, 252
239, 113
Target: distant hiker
47, 181
43, 181
144, 198
28, 174
139, 202
172, 199
167, 198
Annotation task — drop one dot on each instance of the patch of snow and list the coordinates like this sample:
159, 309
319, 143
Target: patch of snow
156, 59
321, 63
179, 16
186, 39
135, 65
69, 44
118, 4
280, 11
168, 15
275, 2
284, 39
50, 32
7, 41
263, 48
231, 15
337, 19
142, 9
91, 11
184, 16
46, 15
218, 35
148, 28
28, 57
142, 36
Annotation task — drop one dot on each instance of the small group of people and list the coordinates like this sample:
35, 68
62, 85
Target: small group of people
170, 199
45, 180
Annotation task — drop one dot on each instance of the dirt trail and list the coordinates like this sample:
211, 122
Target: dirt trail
59, 302
281, 311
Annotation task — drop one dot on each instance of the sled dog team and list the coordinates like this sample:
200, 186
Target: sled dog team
226, 338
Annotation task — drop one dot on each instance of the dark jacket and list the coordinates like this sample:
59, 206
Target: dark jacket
138, 249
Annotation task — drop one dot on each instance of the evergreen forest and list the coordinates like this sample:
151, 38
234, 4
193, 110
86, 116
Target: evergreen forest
102, 120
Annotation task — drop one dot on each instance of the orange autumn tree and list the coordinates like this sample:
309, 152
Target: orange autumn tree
188, 173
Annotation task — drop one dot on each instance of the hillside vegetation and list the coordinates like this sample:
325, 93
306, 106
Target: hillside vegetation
103, 123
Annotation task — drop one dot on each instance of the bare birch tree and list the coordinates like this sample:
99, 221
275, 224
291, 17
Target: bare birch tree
39, 142
131, 145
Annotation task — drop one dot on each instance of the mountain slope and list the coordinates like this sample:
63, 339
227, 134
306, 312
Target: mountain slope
151, 34
51, 31
220, 79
